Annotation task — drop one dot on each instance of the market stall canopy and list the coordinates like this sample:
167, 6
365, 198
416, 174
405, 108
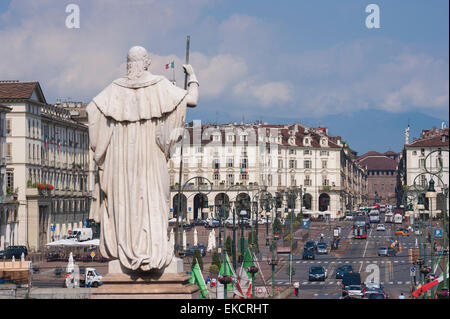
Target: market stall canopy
68, 242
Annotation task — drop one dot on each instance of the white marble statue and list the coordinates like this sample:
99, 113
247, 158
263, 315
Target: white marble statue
133, 125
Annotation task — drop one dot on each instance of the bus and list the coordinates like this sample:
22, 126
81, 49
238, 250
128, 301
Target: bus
374, 216
359, 230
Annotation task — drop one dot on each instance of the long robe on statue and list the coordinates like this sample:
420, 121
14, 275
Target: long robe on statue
132, 129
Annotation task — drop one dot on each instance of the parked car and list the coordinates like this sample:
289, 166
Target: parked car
322, 248
317, 273
380, 227
308, 254
199, 222
352, 285
348, 217
342, 270
402, 231
187, 226
214, 223
15, 251
386, 251
191, 251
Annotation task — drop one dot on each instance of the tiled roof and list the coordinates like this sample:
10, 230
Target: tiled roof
371, 153
17, 90
378, 163
436, 141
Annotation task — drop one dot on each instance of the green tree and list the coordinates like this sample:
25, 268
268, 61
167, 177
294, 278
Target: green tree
197, 256
214, 269
216, 259
277, 226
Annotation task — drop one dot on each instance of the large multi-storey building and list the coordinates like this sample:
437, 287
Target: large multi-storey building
47, 156
381, 176
222, 162
8, 201
416, 160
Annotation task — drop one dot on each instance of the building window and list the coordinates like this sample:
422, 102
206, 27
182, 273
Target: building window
375, 188
216, 164
244, 163
229, 162
414, 153
10, 180
307, 164
269, 180
279, 180
307, 181
392, 188
293, 181
8, 128
292, 151
292, 164
172, 180
307, 152
216, 176
230, 178
324, 164
382, 187
230, 138
325, 181
244, 176
280, 163
216, 138
199, 149
244, 138
324, 153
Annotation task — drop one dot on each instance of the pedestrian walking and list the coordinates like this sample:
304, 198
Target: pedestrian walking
213, 282
296, 288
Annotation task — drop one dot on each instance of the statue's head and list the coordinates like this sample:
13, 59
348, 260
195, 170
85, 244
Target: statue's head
138, 61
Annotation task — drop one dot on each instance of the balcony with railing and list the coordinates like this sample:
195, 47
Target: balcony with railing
219, 187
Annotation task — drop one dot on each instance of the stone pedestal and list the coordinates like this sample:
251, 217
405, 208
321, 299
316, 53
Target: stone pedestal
172, 283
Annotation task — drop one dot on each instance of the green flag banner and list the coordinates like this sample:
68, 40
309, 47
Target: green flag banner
198, 280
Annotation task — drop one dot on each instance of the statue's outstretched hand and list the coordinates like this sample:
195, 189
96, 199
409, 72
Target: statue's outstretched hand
188, 69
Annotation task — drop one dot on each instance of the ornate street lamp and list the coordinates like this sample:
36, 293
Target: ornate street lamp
253, 270
242, 214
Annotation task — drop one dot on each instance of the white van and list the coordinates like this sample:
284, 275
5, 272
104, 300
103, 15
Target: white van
81, 234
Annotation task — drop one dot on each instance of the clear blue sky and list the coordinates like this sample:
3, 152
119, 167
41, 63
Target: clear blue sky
278, 61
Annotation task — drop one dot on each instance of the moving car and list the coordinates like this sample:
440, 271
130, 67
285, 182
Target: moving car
342, 270
308, 254
402, 231
81, 234
317, 273
380, 227
352, 285
310, 245
322, 248
386, 251
373, 290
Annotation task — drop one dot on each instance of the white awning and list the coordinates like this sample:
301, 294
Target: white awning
74, 243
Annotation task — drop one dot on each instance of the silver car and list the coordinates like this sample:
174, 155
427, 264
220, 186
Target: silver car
322, 248
386, 251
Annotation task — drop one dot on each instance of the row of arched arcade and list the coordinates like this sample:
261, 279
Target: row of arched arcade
202, 206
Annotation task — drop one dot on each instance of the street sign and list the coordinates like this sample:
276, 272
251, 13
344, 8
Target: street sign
276, 236
85, 223
92, 254
69, 232
219, 250
412, 271
305, 224
438, 233
52, 227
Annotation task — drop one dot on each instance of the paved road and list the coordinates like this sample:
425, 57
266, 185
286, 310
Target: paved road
392, 272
